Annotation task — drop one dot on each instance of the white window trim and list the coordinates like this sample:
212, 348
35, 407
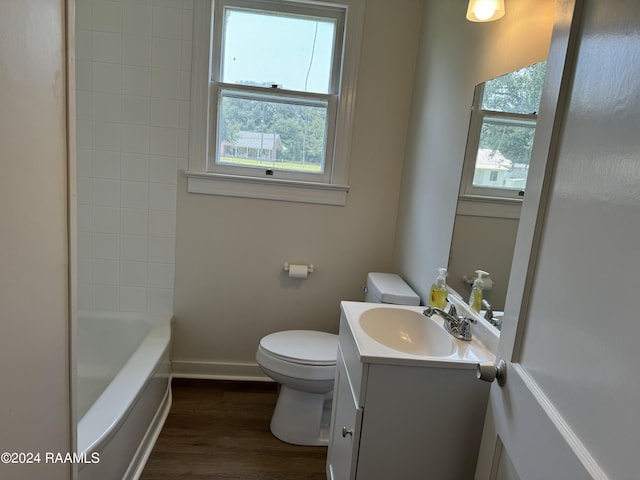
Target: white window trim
201, 181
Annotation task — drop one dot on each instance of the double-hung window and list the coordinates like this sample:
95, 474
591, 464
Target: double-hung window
272, 99
501, 134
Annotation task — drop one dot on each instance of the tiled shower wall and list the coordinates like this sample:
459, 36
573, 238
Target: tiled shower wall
132, 80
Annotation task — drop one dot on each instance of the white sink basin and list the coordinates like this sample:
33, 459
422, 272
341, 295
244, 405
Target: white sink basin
407, 331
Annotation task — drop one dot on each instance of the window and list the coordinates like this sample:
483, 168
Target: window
272, 98
501, 134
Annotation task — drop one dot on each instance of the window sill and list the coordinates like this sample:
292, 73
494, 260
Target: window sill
477, 206
266, 189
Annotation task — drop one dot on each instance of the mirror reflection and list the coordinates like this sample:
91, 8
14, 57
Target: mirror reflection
501, 133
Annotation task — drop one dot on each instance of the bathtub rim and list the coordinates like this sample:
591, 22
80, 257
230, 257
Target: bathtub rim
95, 428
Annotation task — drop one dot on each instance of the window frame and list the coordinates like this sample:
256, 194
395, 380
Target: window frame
332, 187
469, 191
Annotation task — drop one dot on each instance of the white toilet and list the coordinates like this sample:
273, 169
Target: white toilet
303, 362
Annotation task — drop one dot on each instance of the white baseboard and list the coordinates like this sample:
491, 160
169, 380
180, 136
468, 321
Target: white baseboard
218, 370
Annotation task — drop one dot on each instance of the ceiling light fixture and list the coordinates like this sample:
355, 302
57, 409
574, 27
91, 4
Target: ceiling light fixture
485, 10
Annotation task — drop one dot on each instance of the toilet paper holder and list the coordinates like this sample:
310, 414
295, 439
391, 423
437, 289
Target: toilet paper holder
287, 265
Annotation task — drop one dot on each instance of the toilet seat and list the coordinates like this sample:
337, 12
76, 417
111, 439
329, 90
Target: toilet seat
302, 347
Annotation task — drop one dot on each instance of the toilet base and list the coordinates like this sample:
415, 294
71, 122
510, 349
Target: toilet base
302, 418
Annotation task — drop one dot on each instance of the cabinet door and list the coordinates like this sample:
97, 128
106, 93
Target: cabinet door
345, 428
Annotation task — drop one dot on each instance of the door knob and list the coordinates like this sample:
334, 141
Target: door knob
492, 371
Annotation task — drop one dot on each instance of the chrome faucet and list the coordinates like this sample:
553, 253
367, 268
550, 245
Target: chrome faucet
488, 315
458, 326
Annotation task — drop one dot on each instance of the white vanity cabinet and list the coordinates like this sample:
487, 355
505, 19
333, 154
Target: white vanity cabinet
402, 419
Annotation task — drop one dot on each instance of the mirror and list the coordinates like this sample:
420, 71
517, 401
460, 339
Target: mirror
499, 142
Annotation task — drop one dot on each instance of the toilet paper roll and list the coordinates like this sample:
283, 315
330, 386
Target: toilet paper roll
298, 271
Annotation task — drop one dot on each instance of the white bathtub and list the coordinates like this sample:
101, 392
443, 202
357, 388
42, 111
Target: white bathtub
123, 390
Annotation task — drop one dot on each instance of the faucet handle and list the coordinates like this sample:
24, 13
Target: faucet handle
453, 311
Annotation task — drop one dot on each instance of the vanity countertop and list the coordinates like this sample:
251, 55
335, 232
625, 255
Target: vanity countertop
465, 355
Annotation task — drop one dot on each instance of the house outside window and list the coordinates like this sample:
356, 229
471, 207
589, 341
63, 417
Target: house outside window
278, 82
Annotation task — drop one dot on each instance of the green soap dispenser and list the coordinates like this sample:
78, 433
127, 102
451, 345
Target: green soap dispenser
475, 300
439, 293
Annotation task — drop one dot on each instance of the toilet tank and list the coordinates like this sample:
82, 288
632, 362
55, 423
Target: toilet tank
389, 288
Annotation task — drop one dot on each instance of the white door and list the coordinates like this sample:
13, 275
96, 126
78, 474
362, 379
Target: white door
570, 407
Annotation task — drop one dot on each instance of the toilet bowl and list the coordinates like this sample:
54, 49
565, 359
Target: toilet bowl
303, 362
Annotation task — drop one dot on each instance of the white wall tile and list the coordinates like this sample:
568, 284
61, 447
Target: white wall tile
106, 106
105, 219
105, 245
105, 136
166, 53
85, 190
105, 298
135, 138
183, 143
136, 80
133, 248
161, 249
105, 164
164, 141
83, 158
183, 114
187, 24
105, 271
133, 274
162, 196
167, 22
163, 170
106, 192
185, 85
83, 105
85, 245
185, 56
136, 109
134, 221
84, 75
85, 217
162, 223
132, 74
85, 271
133, 299
107, 47
160, 275
107, 16
165, 82
137, 19
160, 300
136, 50
83, 132
106, 77
135, 166
83, 14
135, 194
83, 45
164, 112
85, 296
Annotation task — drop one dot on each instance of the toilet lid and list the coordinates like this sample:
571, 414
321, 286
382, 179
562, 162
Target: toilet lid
305, 347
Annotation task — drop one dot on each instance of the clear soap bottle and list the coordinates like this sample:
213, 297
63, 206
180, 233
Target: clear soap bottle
475, 300
439, 293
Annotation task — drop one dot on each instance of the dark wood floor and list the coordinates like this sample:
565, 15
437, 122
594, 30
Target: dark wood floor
220, 430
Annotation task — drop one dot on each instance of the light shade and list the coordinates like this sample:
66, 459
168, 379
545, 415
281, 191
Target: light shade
485, 10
